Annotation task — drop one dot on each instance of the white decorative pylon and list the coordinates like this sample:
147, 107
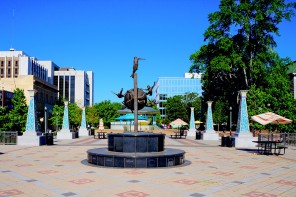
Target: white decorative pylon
243, 136
192, 130
31, 137
65, 133
210, 133
83, 130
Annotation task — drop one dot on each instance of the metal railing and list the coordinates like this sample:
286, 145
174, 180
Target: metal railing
288, 139
8, 137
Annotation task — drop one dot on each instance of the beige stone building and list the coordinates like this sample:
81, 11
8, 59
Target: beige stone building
18, 70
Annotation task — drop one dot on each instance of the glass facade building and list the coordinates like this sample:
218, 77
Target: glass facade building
75, 86
171, 86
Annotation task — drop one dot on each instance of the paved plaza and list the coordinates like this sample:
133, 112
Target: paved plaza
209, 170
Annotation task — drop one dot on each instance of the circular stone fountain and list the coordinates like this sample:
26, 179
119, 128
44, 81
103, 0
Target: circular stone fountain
136, 150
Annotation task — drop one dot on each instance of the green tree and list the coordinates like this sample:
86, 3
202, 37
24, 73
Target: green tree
108, 111
219, 111
4, 119
176, 108
92, 116
75, 114
240, 47
191, 99
276, 96
17, 117
57, 116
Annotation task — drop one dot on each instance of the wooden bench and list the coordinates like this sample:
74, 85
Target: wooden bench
280, 148
100, 135
179, 135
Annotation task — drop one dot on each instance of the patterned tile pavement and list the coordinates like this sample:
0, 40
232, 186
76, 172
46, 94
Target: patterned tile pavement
209, 170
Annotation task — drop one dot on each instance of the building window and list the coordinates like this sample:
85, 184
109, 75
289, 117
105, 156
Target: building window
67, 87
72, 90
16, 63
55, 82
2, 71
9, 63
8, 71
2, 63
16, 71
163, 97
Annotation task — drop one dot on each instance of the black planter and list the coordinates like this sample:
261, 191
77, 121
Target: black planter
198, 135
49, 139
227, 141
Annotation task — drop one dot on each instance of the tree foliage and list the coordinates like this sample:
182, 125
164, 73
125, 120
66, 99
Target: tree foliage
107, 111
192, 99
239, 51
175, 108
220, 114
179, 107
57, 116
17, 117
92, 116
75, 114
276, 96
4, 119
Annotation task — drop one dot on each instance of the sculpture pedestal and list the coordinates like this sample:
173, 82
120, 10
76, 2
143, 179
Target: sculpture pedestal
83, 132
191, 132
245, 141
31, 139
210, 135
65, 134
136, 150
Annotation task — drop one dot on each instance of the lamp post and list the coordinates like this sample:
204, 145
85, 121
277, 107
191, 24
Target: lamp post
2, 94
45, 119
57, 121
230, 119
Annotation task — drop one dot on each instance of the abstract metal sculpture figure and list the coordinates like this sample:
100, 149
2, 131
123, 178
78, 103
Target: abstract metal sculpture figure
136, 64
119, 94
151, 103
129, 99
150, 89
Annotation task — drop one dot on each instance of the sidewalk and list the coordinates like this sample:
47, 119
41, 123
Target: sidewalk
209, 170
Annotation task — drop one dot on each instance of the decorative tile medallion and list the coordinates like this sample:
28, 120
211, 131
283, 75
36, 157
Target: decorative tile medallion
285, 182
47, 171
134, 172
132, 193
186, 182
259, 194
10, 192
82, 181
222, 173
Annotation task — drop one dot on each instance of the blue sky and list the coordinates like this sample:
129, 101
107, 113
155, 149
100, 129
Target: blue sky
105, 35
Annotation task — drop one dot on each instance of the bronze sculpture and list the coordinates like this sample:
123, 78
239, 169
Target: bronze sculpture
150, 89
136, 99
136, 64
119, 94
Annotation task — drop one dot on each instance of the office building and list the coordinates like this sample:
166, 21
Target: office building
171, 86
75, 85
19, 70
